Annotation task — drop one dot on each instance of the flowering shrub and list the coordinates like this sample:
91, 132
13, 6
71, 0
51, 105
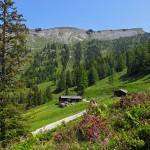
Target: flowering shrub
97, 110
132, 99
130, 119
92, 127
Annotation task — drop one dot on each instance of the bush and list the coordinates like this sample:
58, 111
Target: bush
92, 128
130, 122
13, 125
132, 99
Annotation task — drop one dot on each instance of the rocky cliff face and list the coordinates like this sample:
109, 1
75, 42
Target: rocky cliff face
69, 35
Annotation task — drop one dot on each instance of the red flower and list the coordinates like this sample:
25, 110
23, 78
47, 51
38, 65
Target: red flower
102, 127
89, 130
106, 121
97, 125
93, 120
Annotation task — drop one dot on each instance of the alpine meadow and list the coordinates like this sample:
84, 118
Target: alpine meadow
66, 88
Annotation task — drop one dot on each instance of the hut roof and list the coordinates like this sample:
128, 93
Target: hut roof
70, 97
125, 91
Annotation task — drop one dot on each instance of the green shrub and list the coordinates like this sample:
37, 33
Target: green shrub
130, 122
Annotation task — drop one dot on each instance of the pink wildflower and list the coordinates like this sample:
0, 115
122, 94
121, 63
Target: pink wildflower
102, 127
106, 121
89, 130
97, 125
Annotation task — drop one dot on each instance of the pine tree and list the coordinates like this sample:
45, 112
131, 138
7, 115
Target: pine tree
65, 56
82, 80
77, 54
40, 98
111, 77
48, 93
103, 69
61, 85
12, 57
35, 91
93, 76
68, 82
30, 99
120, 62
68, 79
130, 62
12, 48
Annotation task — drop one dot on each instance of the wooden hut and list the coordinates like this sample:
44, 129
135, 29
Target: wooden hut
120, 92
66, 100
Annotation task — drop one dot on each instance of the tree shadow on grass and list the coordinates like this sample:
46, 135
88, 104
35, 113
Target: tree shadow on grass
133, 78
56, 91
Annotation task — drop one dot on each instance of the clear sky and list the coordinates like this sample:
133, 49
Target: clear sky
86, 14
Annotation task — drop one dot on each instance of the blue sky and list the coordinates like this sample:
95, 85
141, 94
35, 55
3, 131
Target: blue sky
86, 14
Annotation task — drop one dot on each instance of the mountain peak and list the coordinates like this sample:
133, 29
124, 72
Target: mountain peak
70, 35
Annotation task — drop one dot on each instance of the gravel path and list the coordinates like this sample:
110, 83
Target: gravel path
55, 124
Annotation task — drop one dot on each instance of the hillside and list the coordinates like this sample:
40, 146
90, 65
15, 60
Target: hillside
70, 35
102, 91
126, 122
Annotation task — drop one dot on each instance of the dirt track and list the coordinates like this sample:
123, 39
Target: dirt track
55, 124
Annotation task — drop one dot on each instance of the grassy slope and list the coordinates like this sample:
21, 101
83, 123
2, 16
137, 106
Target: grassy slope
102, 92
50, 112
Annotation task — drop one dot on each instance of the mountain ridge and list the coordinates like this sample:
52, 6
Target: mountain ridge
69, 35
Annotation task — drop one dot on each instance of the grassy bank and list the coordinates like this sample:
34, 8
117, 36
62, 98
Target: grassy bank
102, 92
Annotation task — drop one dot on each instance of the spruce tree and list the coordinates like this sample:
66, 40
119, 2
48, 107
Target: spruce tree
65, 56
68, 82
12, 48
82, 80
93, 76
111, 77
48, 93
120, 62
77, 54
61, 85
68, 79
12, 57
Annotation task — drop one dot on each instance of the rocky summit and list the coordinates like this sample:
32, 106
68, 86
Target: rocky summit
70, 35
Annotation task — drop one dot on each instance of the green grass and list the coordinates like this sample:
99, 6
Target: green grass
102, 92
44, 85
51, 112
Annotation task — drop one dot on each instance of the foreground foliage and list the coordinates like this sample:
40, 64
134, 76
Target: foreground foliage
131, 122
121, 126
12, 125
